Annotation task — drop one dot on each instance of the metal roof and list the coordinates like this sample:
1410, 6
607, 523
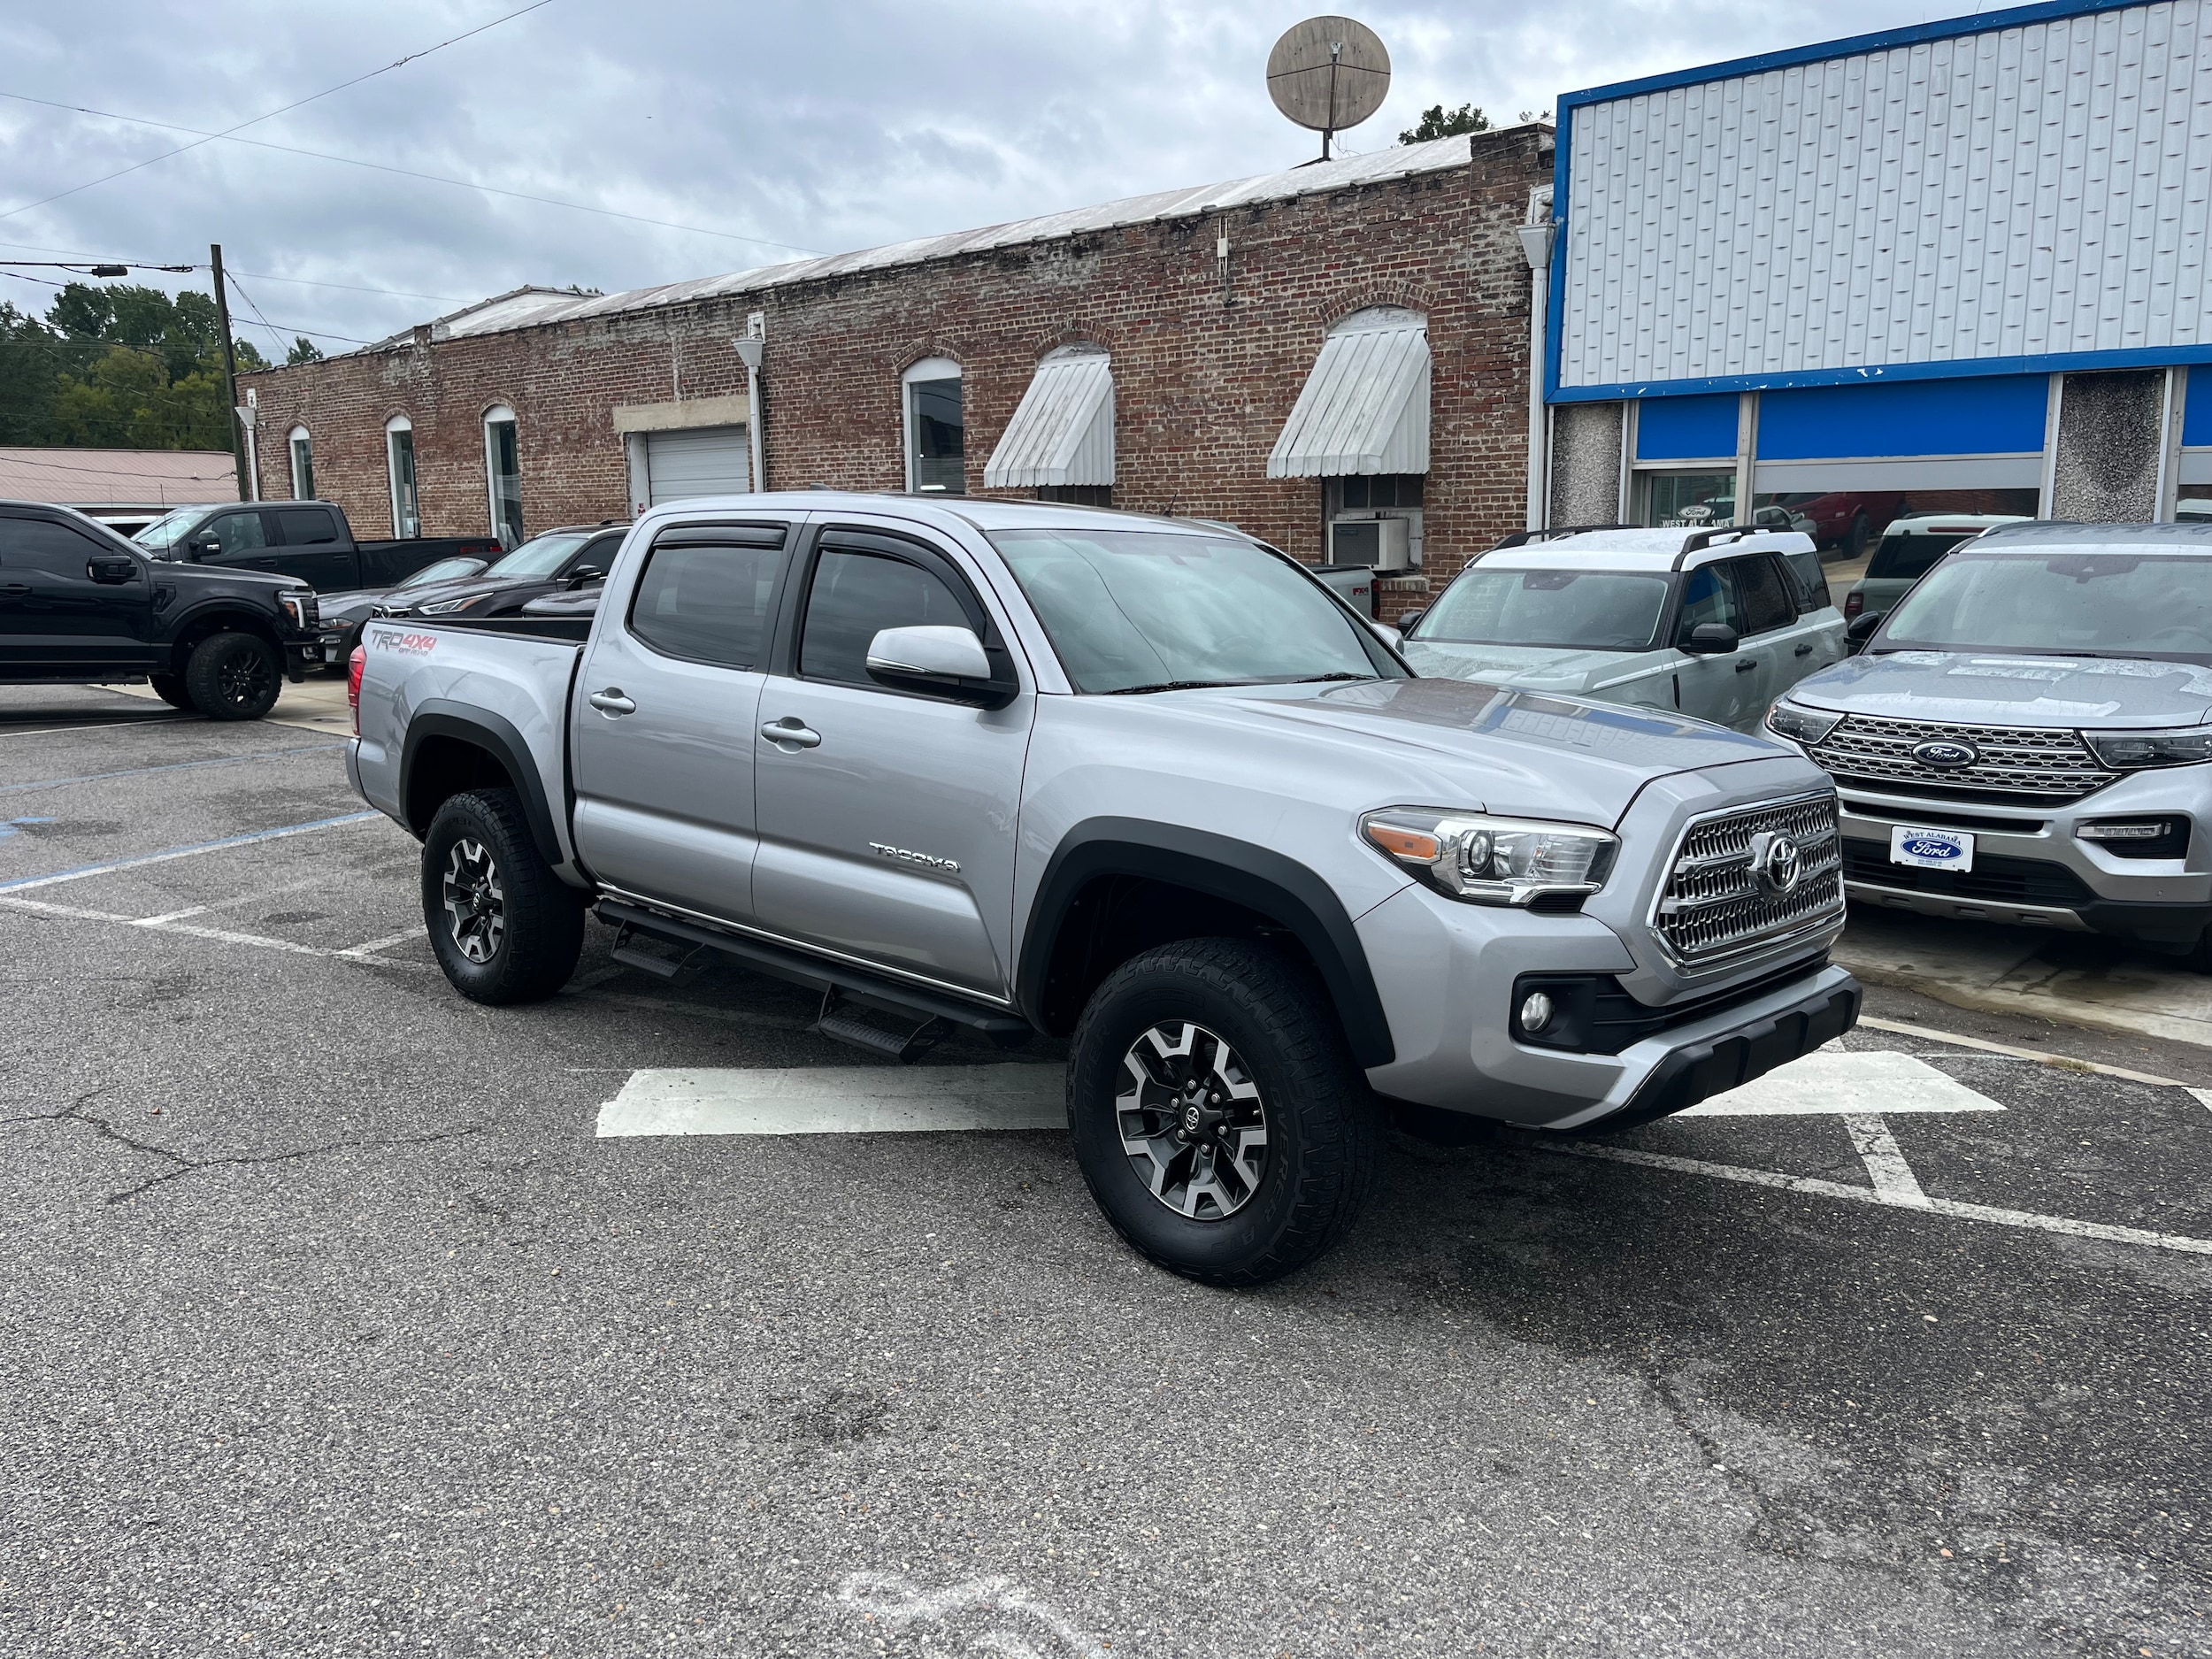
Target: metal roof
532, 307
118, 478
1364, 407
1063, 433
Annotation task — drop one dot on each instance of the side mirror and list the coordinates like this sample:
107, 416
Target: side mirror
1407, 619
112, 571
584, 574
204, 547
935, 659
1387, 635
1772, 519
1861, 628
1710, 639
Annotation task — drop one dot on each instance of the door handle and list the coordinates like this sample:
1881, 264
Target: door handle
1745, 665
793, 731
612, 702
1804, 649
15, 590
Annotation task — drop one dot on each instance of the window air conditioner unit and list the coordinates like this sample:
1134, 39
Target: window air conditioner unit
1383, 544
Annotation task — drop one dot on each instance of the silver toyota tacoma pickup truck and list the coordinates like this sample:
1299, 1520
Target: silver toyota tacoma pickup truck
2027, 737
1142, 783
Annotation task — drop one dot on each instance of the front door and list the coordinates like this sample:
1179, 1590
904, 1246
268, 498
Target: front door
71, 602
1717, 688
887, 817
665, 705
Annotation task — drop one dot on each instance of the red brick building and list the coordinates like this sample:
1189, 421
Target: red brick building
1359, 329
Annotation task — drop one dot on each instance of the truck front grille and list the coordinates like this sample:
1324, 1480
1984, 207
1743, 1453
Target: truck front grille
2017, 764
1726, 892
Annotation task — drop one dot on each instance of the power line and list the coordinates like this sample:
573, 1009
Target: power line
258, 276
296, 103
409, 173
13, 456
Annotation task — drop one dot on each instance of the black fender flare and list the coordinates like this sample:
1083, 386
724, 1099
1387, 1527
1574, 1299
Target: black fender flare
497, 737
1258, 878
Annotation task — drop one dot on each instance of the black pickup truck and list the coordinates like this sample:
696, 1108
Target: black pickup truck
79, 605
309, 541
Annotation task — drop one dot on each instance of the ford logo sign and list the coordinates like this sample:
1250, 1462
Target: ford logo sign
1945, 754
1933, 846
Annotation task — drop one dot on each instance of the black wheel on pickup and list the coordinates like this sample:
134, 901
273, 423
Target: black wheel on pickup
170, 688
1217, 1113
506, 929
234, 677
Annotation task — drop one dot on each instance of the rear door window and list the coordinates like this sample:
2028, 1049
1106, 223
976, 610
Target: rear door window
306, 526
1768, 603
1810, 580
708, 599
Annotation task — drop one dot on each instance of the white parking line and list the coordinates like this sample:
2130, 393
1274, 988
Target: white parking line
1840, 1082
358, 952
1884, 1161
2063, 1061
2204, 1096
170, 924
23, 884
837, 1100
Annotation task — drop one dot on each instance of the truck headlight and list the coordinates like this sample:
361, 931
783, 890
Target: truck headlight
1800, 724
300, 608
446, 607
1486, 860
2131, 752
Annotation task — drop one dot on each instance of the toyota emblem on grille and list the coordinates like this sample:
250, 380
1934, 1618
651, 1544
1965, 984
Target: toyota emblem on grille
1945, 754
1777, 860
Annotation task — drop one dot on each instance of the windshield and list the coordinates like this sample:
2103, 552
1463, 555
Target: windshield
1595, 611
541, 556
443, 571
166, 531
1131, 609
2072, 605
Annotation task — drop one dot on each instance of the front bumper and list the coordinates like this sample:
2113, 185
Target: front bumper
2032, 871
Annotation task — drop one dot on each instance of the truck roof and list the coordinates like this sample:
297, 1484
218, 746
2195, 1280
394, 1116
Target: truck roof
2042, 534
945, 511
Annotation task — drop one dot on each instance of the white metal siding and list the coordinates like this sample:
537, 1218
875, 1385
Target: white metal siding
2041, 189
711, 461
1364, 407
1063, 433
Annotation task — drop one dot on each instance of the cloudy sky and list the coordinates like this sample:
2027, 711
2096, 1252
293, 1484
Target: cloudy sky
823, 126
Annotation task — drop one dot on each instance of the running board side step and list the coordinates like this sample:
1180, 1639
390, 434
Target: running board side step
841, 987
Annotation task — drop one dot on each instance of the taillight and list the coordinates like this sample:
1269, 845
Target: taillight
355, 664
1853, 603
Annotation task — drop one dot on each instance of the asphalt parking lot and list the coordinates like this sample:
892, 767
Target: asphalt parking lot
342, 1316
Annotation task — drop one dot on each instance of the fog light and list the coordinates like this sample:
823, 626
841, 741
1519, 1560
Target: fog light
1535, 1011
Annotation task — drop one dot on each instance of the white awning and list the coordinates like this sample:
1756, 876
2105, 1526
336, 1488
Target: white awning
1364, 408
1063, 432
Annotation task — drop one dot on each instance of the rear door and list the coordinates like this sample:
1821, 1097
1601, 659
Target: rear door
664, 709
1816, 638
1715, 688
1773, 637
315, 548
69, 601
887, 817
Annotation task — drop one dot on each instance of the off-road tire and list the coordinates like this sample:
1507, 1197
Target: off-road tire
1323, 1126
541, 930
234, 677
170, 689
1857, 536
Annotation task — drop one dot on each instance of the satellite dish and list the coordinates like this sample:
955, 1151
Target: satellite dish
1328, 74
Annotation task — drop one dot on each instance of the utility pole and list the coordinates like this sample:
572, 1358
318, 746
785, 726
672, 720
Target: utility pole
230, 370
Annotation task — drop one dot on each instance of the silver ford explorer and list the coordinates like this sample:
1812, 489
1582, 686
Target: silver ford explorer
2028, 736
1019, 770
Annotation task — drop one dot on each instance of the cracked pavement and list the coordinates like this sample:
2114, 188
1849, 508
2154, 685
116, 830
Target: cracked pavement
329, 1328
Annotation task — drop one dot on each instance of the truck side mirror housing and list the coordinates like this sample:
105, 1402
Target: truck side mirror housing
113, 571
204, 547
1710, 639
940, 660
1407, 619
586, 574
1861, 628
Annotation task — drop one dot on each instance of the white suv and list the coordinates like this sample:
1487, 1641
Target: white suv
1713, 623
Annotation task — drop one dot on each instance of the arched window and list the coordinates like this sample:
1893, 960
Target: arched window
936, 433
502, 474
302, 451
399, 462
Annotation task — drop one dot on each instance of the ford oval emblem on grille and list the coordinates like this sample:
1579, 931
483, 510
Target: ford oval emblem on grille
1945, 754
1777, 861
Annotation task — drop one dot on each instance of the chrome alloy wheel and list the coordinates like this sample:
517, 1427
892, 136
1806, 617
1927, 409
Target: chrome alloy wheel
1192, 1121
475, 908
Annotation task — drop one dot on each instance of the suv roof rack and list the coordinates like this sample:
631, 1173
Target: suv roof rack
1698, 540
1522, 538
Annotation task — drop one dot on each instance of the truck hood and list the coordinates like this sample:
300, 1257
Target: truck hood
1990, 688
1502, 748
1553, 665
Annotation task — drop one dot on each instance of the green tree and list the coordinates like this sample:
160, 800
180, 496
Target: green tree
29, 361
121, 366
304, 350
1438, 122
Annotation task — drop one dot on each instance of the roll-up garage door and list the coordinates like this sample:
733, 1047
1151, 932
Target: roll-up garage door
706, 461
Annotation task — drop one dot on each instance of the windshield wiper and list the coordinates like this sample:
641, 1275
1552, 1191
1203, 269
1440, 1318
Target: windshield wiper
1179, 685
1315, 679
